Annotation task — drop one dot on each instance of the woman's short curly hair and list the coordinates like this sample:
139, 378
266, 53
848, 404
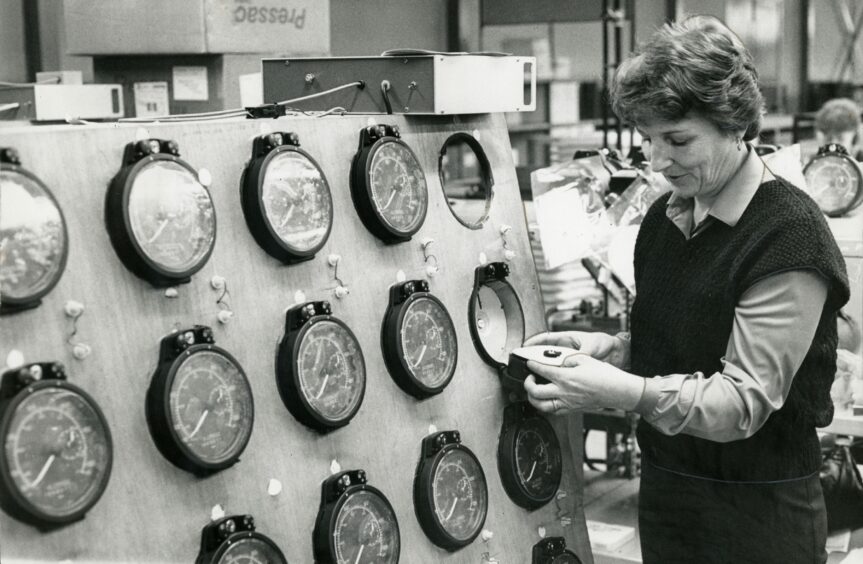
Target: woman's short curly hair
838, 116
698, 65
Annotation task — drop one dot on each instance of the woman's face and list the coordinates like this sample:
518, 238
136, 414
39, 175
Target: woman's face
694, 155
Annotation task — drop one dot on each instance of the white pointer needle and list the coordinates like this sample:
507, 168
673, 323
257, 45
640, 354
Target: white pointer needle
532, 470
451, 509
200, 422
323, 386
43, 471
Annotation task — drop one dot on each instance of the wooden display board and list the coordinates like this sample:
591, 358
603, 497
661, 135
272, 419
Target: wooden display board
153, 511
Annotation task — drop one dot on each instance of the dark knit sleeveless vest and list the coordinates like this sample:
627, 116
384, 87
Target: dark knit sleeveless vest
683, 316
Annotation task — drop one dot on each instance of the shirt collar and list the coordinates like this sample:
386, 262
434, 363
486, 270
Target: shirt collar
733, 199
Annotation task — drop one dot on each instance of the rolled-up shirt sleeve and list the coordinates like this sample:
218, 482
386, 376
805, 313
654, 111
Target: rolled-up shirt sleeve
774, 324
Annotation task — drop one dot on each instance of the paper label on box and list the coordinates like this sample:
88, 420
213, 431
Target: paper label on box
151, 99
190, 83
251, 89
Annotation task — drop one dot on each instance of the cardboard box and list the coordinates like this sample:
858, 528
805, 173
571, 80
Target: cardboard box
284, 27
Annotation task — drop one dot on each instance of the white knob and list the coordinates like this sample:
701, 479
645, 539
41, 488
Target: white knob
81, 351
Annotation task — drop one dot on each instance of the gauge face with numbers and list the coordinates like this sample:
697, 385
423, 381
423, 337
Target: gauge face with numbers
211, 408
552, 550
297, 201
57, 452
254, 550
428, 341
398, 187
538, 458
171, 215
460, 495
529, 457
419, 342
33, 241
835, 182
366, 530
331, 371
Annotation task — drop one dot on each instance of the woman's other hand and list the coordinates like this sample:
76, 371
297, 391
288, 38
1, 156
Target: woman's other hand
581, 383
601, 346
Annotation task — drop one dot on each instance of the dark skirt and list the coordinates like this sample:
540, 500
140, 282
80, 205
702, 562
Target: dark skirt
685, 519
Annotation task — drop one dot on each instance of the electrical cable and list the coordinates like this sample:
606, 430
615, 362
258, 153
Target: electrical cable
385, 92
338, 109
239, 112
358, 83
17, 85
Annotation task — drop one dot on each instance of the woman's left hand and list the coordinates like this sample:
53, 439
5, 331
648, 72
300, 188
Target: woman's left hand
582, 383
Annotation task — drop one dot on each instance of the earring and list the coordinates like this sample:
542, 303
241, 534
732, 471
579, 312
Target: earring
738, 143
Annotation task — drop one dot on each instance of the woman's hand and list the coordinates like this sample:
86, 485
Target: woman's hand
600, 346
582, 383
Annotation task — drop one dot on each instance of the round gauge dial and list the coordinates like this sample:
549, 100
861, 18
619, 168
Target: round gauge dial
320, 369
418, 338
366, 530
172, 216
537, 458
460, 494
331, 370
398, 187
33, 241
450, 491
429, 342
211, 406
835, 182
286, 198
388, 185
297, 200
251, 551
529, 457
552, 550
57, 452
160, 216
199, 406
234, 540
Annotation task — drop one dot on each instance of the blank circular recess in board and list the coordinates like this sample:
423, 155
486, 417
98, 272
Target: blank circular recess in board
286, 198
356, 523
450, 491
388, 185
199, 406
34, 244
495, 315
834, 180
58, 452
160, 218
320, 368
418, 338
466, 178
234, 539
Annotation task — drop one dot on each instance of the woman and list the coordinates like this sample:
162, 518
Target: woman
838, 121
733, 331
